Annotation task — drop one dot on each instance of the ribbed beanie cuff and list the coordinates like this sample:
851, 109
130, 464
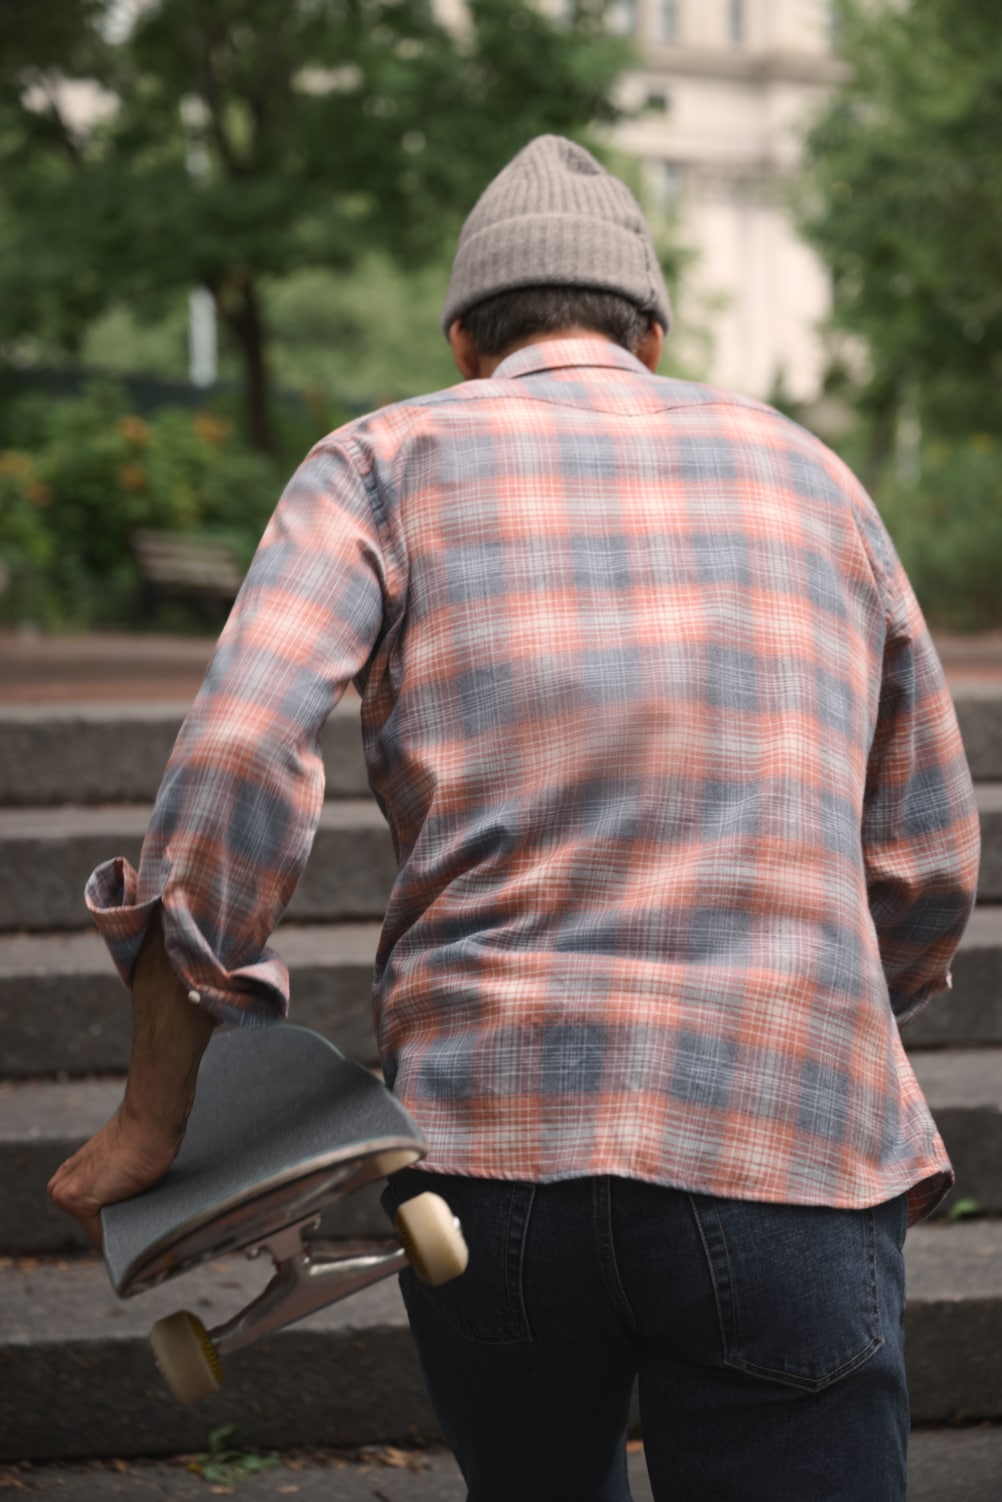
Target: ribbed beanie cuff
554, 217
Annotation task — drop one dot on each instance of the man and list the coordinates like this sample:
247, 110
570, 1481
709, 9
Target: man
684, 831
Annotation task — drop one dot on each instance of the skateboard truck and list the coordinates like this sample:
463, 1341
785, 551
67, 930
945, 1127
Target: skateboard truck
282, 1126
310, 1273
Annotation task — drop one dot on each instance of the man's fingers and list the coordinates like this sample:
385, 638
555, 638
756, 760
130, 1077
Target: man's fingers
114, 1165
85, 1209
69, 1194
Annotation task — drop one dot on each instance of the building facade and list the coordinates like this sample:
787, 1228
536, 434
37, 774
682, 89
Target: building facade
723, 91
726, 88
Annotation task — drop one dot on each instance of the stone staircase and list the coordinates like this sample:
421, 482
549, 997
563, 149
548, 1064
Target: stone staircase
76, 1376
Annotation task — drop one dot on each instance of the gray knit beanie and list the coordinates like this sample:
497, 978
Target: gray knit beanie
555, 217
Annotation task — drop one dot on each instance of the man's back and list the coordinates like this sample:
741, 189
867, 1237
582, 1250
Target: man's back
621, 726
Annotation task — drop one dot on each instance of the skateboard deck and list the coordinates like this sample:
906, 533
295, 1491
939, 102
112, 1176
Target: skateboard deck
282, 1124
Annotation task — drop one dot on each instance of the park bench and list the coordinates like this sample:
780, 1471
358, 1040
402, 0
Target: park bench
203, 571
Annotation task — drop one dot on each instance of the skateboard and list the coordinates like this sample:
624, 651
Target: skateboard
282, 1125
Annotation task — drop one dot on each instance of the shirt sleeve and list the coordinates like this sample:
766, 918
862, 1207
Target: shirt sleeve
921, 839
237, 811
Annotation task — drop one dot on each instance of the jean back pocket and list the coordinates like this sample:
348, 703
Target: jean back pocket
795, 1286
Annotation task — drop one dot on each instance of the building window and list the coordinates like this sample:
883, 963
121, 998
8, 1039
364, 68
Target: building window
736, 22
658, 103
669, 30
666, 181
622, 17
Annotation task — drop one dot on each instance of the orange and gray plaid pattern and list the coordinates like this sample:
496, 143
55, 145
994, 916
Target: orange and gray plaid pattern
683, 821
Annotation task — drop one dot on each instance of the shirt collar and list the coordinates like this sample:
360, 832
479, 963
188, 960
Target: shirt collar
562, 354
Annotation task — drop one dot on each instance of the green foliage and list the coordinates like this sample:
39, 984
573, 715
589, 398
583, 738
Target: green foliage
27, 543
963, 1209
371, 336
225, 1463
904, 202
256, 138
45, 289
79, 477
947, 527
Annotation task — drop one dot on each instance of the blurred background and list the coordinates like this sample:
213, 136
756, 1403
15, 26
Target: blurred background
226, 227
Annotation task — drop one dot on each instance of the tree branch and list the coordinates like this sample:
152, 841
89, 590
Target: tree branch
212, 94
36, 78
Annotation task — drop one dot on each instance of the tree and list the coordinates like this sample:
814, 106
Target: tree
42, 161
254, 138
905, 206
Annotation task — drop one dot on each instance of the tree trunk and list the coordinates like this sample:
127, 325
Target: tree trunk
241, 312
884, 406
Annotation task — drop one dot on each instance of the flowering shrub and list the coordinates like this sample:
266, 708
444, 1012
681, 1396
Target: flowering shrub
87, 473
27, 542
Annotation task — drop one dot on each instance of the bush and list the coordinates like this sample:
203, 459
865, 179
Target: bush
947, 527
27, 542
85, 473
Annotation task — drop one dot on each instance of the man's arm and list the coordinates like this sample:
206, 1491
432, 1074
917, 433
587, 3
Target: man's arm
920, 821
140, 1142
235, 817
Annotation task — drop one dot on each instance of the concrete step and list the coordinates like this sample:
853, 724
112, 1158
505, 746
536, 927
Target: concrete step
115, 752
76, 1376
990, 810
971, 1013
979, 714
63, 1009
944, 1465
964, 1091
41, 1123
46, 855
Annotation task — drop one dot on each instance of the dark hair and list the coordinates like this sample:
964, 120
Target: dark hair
498, 322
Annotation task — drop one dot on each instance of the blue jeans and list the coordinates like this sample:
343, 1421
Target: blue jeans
767, 1341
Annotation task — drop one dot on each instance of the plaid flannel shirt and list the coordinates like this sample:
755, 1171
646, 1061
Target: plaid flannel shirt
683, 821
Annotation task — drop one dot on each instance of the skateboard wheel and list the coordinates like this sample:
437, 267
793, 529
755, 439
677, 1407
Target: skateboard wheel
432, 1238
186, 1357
389, 1162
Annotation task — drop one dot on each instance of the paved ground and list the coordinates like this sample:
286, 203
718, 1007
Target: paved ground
962, 1465
40, 669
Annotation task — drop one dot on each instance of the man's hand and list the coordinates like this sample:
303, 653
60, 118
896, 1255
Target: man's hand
115, 1164
142, 1139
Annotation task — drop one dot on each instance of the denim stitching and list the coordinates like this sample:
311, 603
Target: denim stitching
712, 1270
610, 1267
516, 1305
519, 1330
809, 1384
858, 1359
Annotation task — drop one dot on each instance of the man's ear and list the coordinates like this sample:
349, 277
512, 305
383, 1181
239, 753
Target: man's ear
464, 351
651, 347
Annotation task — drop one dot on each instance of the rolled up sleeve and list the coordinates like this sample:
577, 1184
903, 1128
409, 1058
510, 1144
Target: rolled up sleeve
238, 807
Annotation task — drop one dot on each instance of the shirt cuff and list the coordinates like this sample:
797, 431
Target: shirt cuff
907, 1007
251, 995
